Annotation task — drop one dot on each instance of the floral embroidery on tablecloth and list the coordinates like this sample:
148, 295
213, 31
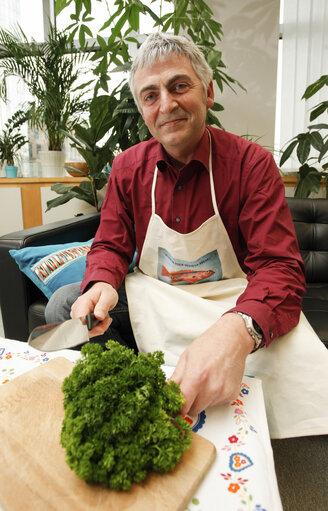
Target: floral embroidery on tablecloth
240, 461
8, 373
196, 422
192, 506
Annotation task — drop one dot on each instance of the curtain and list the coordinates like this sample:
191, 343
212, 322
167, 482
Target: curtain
304, 59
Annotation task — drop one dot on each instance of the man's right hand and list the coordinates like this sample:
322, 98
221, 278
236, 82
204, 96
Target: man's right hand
100, 298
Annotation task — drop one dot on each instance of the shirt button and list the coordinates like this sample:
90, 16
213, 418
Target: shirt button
178, 219
271, 334
179, 187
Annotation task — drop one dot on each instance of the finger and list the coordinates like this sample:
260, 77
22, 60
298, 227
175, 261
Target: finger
81, 308
106, 302
178, 372
190, 390
198, 406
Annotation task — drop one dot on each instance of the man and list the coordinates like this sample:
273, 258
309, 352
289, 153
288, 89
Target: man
205, 209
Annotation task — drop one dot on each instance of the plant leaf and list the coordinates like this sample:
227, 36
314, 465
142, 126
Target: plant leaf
58, 201
287, 152
323, 151
308, 181
316, 140
320, 126
318, 110
315, 87
303, 148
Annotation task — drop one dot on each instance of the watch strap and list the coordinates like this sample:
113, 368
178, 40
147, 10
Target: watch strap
253, 329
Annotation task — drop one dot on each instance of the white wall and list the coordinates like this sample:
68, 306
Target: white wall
11, 212
250, 51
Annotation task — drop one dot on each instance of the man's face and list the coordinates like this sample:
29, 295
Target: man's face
173, 103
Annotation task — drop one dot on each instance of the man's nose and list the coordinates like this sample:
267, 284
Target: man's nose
167, 102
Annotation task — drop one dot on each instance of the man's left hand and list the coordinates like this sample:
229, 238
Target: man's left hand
210, 370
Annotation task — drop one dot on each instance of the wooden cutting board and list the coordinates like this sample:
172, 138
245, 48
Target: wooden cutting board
34, 475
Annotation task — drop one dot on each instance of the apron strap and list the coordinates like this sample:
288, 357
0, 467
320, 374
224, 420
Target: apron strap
215, 206
153, 191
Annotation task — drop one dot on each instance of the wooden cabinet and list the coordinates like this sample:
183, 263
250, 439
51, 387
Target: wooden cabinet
23, 202
290, 183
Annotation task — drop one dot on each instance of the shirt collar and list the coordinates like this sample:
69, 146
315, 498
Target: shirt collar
201, 154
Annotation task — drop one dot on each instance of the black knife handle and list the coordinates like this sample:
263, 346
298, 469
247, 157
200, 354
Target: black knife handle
91, 320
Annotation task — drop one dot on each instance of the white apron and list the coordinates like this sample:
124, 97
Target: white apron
293, 369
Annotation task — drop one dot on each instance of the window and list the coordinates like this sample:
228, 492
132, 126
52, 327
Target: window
29, 15
303, 59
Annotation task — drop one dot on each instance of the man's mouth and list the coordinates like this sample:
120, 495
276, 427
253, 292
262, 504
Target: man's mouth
171, 122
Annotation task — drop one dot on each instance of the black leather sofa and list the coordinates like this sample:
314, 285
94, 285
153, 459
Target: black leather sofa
22, 303
310, 217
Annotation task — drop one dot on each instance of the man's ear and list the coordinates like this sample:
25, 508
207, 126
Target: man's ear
210, 95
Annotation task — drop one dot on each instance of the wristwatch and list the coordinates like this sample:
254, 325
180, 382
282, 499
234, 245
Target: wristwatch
253, 329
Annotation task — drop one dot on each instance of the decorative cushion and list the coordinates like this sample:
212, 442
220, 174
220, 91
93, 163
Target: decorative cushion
53, 266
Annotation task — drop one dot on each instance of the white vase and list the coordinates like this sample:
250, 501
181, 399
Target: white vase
52, 163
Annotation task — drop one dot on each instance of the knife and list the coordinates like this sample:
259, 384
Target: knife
62, 335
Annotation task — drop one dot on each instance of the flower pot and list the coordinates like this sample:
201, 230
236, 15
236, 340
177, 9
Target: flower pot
79, 165
52, 163
11, 171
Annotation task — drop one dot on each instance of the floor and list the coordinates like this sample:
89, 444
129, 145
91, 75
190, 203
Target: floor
301, 467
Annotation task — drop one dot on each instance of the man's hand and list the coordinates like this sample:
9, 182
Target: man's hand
210, 370
99, 299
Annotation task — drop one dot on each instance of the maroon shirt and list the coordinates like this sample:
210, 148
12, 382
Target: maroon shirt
251, 200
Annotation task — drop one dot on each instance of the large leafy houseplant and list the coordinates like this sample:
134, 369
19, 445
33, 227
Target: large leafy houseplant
51, 76
88, 141
192, 17
11, 139
311, 147
112, 54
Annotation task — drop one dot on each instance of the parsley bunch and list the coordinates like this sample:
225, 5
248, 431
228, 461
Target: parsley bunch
118, 417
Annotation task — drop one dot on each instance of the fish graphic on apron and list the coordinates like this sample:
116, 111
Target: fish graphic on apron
185, 282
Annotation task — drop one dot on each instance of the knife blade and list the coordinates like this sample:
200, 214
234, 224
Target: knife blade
62, 335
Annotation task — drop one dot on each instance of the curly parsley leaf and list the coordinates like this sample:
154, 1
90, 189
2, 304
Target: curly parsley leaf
118, 422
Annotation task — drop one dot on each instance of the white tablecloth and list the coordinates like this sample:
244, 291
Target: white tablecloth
241, 478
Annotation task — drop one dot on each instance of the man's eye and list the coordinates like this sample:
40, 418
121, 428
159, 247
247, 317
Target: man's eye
149, 98
181, 87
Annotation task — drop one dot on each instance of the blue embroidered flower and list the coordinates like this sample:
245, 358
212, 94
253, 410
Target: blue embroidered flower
245, 391
258, 507
199, 422
239, 461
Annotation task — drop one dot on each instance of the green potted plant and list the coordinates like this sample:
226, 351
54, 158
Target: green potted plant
86, 140
115, 34
114, 115
50, 70
11, 141
311, 147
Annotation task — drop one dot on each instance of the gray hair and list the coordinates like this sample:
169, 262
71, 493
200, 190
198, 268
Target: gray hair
159, 45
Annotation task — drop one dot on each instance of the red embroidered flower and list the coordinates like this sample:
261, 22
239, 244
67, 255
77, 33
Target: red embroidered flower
233, 439
187, 419
237, 402
233, 487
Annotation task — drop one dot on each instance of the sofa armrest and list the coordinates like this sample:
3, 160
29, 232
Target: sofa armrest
17, 292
